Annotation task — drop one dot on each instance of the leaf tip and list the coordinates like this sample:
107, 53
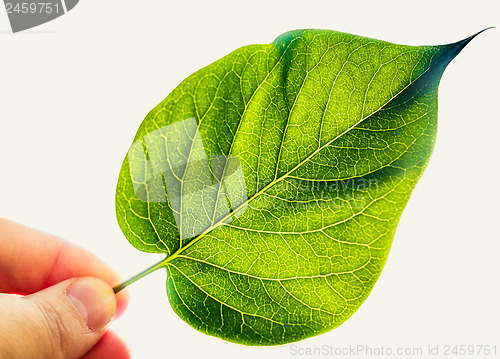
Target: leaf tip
455, 48
477, 33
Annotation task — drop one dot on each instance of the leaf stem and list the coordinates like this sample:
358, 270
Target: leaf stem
140, 275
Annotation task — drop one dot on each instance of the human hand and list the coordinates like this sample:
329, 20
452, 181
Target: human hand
61, 315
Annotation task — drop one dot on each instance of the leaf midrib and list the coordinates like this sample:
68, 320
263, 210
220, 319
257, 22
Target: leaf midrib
285, 175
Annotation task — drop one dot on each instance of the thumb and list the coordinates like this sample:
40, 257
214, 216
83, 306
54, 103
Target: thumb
63, 321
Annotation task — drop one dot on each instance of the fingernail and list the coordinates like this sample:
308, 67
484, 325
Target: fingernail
95, 301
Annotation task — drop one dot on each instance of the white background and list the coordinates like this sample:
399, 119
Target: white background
74, 91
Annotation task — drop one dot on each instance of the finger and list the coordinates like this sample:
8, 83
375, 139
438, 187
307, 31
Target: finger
109, 347
31, 260
62, 321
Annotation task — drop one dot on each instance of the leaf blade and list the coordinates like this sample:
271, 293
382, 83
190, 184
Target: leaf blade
251, 275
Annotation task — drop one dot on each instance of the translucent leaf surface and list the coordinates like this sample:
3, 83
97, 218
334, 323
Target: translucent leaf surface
274, 179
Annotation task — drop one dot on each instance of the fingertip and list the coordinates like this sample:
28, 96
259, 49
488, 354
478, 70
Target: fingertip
94, 299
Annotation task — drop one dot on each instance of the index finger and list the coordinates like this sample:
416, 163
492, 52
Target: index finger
31, 260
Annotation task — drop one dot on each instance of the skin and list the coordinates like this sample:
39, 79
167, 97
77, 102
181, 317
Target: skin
42, 322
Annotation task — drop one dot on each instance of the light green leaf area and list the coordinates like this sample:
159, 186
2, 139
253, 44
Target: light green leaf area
275, 177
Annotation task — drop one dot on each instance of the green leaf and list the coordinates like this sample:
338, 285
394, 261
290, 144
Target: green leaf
274, 179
